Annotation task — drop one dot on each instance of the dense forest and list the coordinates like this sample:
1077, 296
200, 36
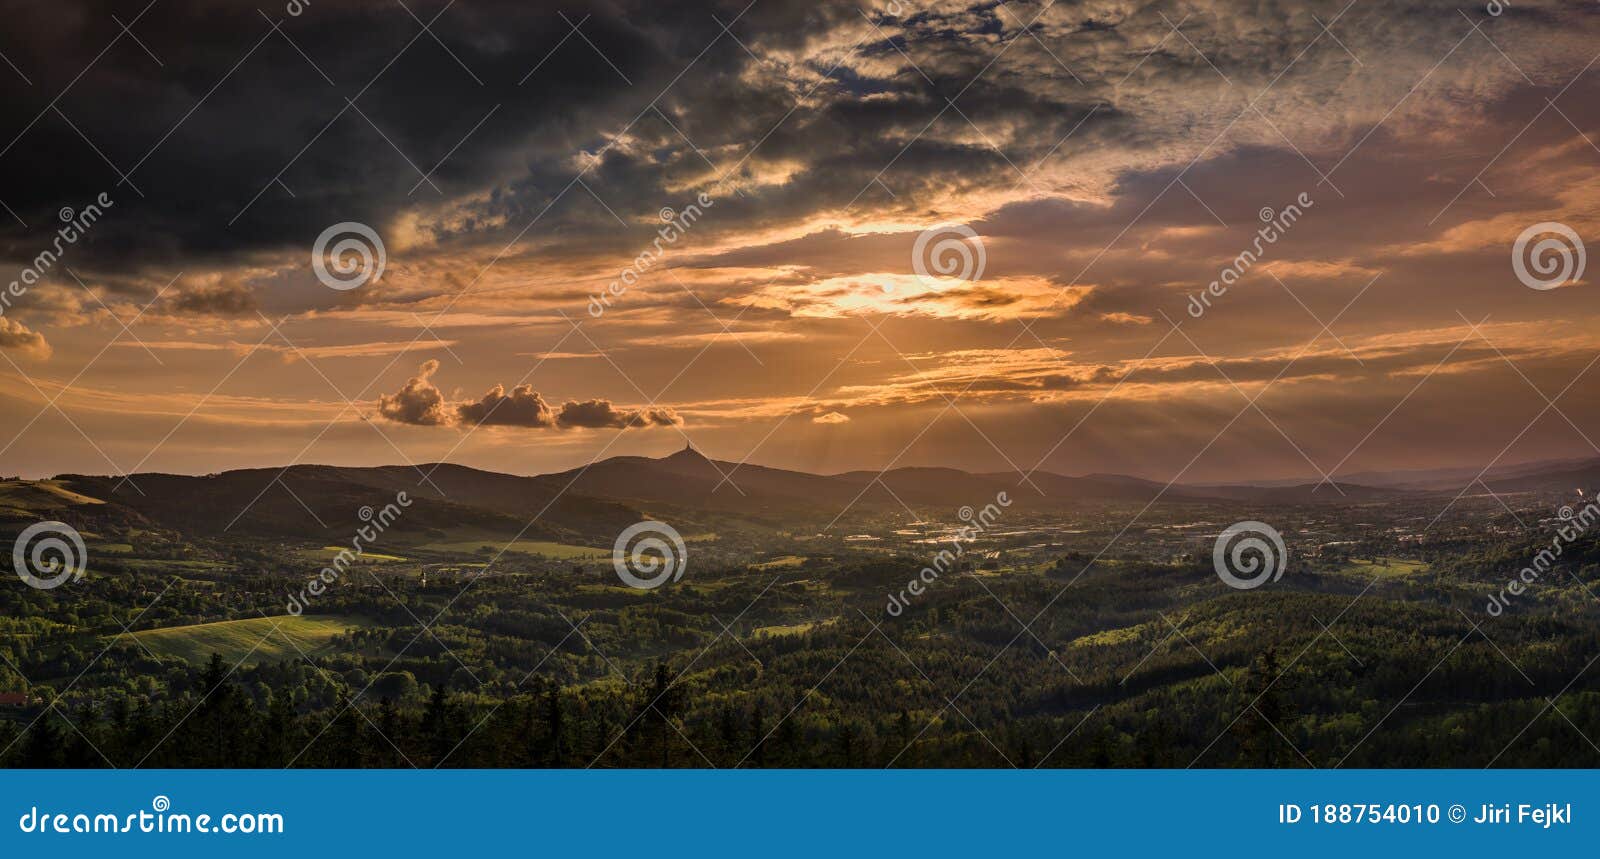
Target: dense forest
1018, 658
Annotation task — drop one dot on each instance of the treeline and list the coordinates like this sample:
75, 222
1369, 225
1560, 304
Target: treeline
1137, 664
1267, 714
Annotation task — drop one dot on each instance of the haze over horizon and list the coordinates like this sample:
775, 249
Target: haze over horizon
1106, 160
1392, 475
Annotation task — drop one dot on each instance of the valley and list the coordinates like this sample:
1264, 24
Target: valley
1080, 623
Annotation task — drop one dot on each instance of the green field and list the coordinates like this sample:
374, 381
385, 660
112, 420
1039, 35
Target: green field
164, 564
1386, 567
328, 553
778, 563
791, 628
234, 639
25, 497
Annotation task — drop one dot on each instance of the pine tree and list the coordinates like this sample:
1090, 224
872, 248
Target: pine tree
907, 738
436, 726
279, 740
728, 732
43, 748
1271, 712
555, 751
758, 730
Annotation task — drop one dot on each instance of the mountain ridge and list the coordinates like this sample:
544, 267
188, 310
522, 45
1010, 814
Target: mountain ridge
604, 496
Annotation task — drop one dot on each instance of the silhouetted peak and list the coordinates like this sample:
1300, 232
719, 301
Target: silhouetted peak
688, 454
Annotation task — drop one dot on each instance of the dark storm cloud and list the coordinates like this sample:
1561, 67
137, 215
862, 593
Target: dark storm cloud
251, 121
234, 141
232, 138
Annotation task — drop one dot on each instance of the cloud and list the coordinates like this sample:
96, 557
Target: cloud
601, 414
219, 300
372, 349
831, 418
421, 403
1104, 196
27, 342
1113, 75
523, 408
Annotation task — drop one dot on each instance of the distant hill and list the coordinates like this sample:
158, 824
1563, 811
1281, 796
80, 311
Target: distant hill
323, 501
688, 479
1571, 478
591, 504
1543, 475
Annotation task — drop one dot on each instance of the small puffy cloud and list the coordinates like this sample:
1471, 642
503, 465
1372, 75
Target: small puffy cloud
601, 414
30, 343
831, 418
1122, 318
522, 408
419, 403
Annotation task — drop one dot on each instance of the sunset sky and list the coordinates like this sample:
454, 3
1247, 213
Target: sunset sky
1111, 159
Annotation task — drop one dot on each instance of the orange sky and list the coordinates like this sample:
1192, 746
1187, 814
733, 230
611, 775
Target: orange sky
1108, 161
